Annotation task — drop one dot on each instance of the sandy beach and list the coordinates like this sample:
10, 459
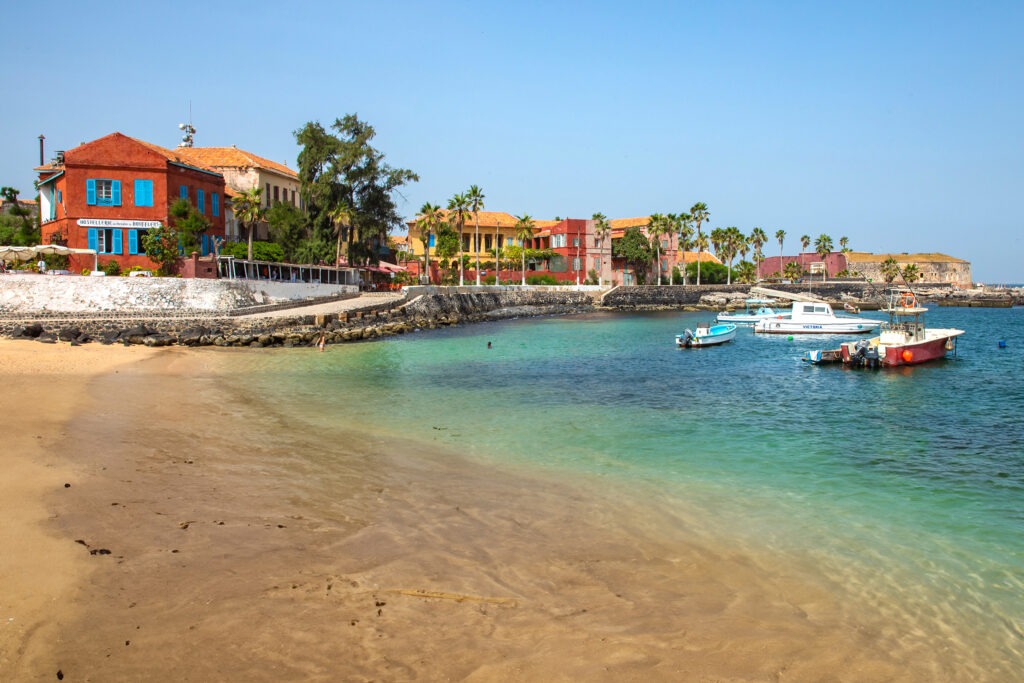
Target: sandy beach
202, 539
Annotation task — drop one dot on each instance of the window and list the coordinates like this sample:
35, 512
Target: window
575, 241
488, 243
664, 244
183, 191
267, 194
143, 192
215, 203
557, 241
102, 192
105, 240
575, 263
201, 201
276, 197
597, 264
293, 197
135, 243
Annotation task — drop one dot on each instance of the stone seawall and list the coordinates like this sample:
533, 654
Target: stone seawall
423, 308
427, 311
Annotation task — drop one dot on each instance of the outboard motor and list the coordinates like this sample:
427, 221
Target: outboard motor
687, 338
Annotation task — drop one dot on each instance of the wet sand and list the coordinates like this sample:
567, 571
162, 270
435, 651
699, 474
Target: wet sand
208, 537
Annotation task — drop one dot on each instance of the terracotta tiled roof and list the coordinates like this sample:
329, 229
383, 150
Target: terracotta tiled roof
232, 157
170, 155
867, 257
691, 257
623, 223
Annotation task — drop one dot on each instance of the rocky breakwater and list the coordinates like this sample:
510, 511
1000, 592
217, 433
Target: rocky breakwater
428, 310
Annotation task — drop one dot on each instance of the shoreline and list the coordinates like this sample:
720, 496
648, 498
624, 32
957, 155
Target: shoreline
238, 550
39, 569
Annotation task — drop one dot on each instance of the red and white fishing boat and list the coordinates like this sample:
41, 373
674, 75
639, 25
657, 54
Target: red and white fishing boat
904, 340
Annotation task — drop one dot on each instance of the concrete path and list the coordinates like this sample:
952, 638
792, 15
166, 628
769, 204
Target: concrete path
365, 300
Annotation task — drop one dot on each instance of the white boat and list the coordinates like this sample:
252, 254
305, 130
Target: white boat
904, 340
813, 317
706, 335
753, 310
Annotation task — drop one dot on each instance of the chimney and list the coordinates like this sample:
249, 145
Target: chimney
41, 158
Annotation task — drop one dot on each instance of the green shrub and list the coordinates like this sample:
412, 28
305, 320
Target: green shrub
112, 268
541, 280
261, 251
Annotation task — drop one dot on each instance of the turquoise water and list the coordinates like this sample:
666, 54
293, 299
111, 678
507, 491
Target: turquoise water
904, 486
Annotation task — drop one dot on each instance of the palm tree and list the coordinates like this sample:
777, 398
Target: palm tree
458, 211
701, 242
602, 228
341, 218
475, 197
672, 223
911, 274
805, 241
524, 231
792, 271
758, 239
655, 229
843, 241
685, 228
699, 212
890, 269
780, 235
428, 221
249, 211
823, 246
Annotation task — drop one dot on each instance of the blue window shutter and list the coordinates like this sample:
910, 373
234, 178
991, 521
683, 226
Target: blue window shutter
143, 193
204, 248
433, 239
215, 203
60, 197
53, 203
115, 193
90, 192
183, 192
200, 201
93, 239
117, 242
133, 241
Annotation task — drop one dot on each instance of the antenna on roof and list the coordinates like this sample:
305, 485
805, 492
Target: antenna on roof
189, 130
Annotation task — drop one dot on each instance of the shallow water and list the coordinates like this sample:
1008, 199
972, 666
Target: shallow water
902, 488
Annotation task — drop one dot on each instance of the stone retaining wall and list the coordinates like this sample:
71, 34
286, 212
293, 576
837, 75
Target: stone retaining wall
433, 307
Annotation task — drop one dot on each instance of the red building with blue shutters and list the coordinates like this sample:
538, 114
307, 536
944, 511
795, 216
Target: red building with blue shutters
105, 194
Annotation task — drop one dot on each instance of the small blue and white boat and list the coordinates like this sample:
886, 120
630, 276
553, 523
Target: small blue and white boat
753, 310
706, 335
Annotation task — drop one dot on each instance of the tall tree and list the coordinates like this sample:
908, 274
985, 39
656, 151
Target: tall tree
602, 229
843, 242
429, 221
758, 239
341, 166
780, 235
685, 228
911, 274
805, 241
341, 219
823, 247
249, 211
656, 227
475, 197
635, 248
458, 212
700, 213
524, 232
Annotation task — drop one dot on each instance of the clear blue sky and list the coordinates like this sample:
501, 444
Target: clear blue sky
896, 124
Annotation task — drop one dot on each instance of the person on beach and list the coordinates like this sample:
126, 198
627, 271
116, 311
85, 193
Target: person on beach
41, 266
322, 341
